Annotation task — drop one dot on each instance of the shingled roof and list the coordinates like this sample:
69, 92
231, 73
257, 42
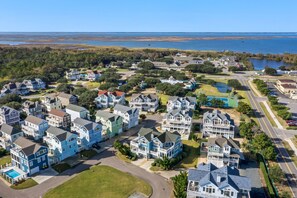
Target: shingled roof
59, 133
75, 108
124, 109
222, 141
220, 177
89, 125
28, 147
34, 120
9, 130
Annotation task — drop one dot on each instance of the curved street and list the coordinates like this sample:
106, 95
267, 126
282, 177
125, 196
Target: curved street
161, 187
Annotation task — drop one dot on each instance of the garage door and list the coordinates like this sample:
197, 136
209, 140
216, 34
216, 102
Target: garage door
34, 170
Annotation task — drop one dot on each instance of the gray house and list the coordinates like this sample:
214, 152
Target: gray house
223, 152
9, 116
217, 124
209, 181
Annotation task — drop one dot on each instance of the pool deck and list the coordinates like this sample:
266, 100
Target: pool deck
22, 173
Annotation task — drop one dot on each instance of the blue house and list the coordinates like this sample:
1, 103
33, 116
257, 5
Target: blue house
88, 132
29, 156
62, 144
152, 144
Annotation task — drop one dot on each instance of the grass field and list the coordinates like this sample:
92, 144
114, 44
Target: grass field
267, 114
101, 181
26, 184
4, 160
92, 85
192, 149
210, 91
164, 98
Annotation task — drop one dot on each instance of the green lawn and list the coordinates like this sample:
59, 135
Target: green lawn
164, 98
192, 149
101, 181
4, 160
210, 91
267, 114
26, 184
92, 85
122, 157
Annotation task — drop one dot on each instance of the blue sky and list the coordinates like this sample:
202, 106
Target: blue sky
148, 15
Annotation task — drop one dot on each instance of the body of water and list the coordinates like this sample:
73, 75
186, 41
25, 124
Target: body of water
260, 64
222, 87
274, 43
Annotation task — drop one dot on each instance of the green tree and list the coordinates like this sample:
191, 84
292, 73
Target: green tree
244, 108
87, 98
246, 130
234, 83
276, 173
270, 71
180, 183
202, 99
146, 65
64, 87
262, 144
217, 103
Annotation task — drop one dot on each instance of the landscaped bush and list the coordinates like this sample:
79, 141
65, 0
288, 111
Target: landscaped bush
261, 86
61, 167
125, 150
3, 152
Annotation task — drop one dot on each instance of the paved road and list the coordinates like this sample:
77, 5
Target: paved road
160, 185
284, 159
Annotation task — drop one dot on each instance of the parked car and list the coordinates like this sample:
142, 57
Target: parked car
292, 122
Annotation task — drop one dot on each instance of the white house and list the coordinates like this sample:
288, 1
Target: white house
9, 116
149, 102
34, 127
152, 144
50, 102
32, 108
72, 74
88, 132
175, 102
107, 99
62, 144
179, 121
217, 124
129, 115
8, 134
209, 181
93, 75
76, 111
223, 152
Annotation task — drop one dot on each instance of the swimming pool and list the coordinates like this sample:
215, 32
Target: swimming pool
12, 173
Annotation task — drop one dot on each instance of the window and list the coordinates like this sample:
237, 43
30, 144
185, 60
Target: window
203, 188
31, 163
232, 193
38, 160
43, 158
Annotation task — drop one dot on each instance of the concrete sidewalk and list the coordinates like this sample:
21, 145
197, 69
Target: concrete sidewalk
273, 116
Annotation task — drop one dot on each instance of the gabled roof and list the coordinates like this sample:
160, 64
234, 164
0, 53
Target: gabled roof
75, 108
222, 141
9, 130
168, 137
114, 93
153, 97
180, 99
28, 147
34, 120
124, 109
184, 113
65, 95
107, 116
59, 133
150, 133
286, 81
57, 112
89, 125
216, 114
220, 177
6, 110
